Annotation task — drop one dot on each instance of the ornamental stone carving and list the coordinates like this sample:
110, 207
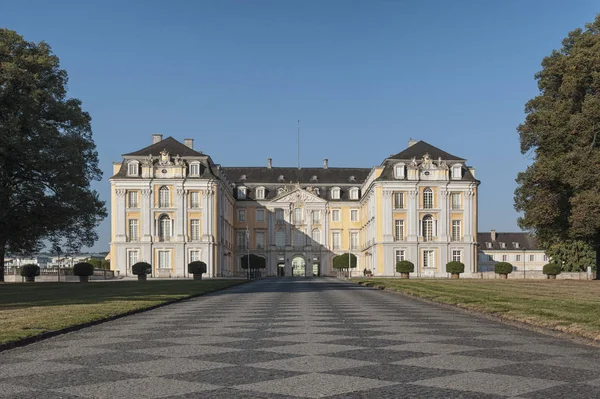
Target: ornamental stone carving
146, 192
120, 192
181, 192
413, 194
165, 158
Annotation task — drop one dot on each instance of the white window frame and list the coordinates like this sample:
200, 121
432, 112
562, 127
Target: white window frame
164, 197
194, 200
195, 229
354, 215
399, 200
133, 230
336, 240
259, 239
427, 231
517, 258
400, 255
260, 193
504, 258
316, 217
241, 239
165, 226
164, 259
241, 193
399, 171
316, 235
354, 240
399, 230
457, 255
241, 215
532, 258
456, 172
133, 256
428, 198
194, 255
336, 215
354, 193
132, 199
260, 215
455, 233
428, 255
335, 193
298, 215
133, 168
455, 202
195, 169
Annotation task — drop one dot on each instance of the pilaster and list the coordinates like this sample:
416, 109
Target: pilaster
388, 234
121, 219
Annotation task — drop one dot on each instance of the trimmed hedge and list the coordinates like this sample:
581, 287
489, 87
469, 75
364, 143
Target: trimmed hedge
503, 268
405, 266
551, 269
256, 262
141, 268
341, 261
30, 270
83, 269
455, 267
197, 267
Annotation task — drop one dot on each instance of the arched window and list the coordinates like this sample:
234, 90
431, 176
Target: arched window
316, 236
427, 198
164, 197
427, 228
164, 228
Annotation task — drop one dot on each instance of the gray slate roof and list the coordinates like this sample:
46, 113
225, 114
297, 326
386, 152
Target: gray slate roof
173, 146
525, 241
418, 149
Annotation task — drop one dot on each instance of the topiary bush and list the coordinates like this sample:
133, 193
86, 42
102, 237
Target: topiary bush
551, 270
455, 268
141, 269
503, 269
405, 266
29, 272
197, 268
83, 269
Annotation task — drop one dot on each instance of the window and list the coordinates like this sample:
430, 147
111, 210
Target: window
516, 244
545, 258
133, 230
490, 257
279, 216
354, 240
260, 215
399, 171
299, 238
504, 258
132, 258
241, 192
298, 215
457, 172
241, 215
194, 256
400, 255
164, 228
354, 215
164, 259
195, 169
532, 258
164, 197
133, 199
336, 241
399, 230
502, 245
132, 168
427, 228
241, 239
260, 239
354, 193
194, 199
335, 193
518, 258
398, 200
428, 259
260, 193
195, 229
455, 200
488, 244
335, 215
456, 255
427, 198
280, 238
316, 236
455, 230
316, 217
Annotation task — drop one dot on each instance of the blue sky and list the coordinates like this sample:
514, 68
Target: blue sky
362, 76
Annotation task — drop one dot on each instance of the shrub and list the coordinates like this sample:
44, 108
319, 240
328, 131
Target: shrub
405, 266
455, 267
30, 270
341, 261
141, 268
551, 269
197, 267
503, 268
83, 269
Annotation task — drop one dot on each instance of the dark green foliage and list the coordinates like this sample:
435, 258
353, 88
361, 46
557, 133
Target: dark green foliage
341, 261
256, 262
47, 154
572, 255
405, 266
141, 268
30, 270
455, 267
551, 269
197, 267
503, 268
83, 269
559, 193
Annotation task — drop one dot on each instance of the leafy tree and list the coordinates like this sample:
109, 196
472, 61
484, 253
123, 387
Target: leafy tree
344, 261
47, 154
572, 255
97, 263
559, 193
256, 262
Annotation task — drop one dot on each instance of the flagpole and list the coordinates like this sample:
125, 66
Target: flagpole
248, 250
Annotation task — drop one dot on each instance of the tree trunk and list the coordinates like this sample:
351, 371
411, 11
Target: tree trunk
2, 253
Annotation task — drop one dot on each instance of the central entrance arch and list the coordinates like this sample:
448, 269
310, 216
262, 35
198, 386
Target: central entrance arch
298, 266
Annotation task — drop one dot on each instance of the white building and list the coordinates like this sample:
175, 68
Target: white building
519, 249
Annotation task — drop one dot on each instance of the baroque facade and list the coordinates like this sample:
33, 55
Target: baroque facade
171, 205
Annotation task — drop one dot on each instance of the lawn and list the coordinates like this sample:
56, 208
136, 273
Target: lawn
570, 306
27, 310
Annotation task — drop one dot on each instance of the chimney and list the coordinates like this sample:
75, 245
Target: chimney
325, 163
189, 143
493, 235
412, 142
269, 163
156, 138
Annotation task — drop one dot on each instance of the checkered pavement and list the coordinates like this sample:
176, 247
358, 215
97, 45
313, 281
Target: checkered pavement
301, 338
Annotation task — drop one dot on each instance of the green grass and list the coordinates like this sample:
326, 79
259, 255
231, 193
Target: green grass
27, 310
569, 306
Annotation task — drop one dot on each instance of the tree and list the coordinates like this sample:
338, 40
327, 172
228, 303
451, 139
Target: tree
559, 193
256, 262
572, 255
47, 155
345, 261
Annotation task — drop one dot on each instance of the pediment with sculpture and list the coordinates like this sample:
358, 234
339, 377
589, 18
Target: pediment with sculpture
298, 195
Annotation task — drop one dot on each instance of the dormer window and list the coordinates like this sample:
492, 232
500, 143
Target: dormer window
354, 193
241, 192
335, 193
195, 169
260, 193
516, 244
314, 179
280, 178
488, 245
399, 171
457, 172
133, 168
502, 245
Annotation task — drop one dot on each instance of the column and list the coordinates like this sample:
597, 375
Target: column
388, 235
121, 219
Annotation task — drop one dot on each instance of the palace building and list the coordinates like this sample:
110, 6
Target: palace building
171, 204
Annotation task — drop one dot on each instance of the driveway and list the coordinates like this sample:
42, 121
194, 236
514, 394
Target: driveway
307, 338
